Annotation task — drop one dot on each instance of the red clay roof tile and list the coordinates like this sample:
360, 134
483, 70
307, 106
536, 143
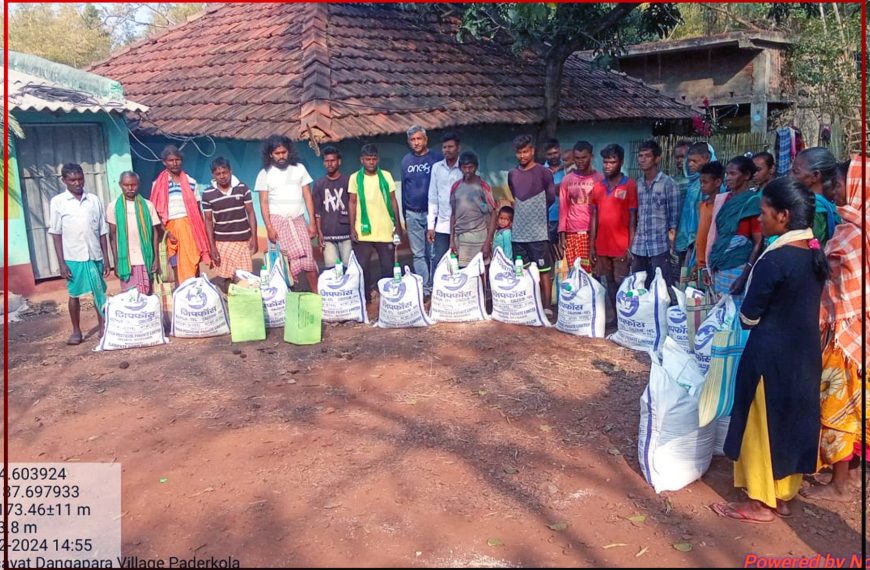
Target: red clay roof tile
244, 71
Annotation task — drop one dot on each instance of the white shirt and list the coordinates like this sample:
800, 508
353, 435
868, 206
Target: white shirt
134, 242
80, 223
285, 189
442, 179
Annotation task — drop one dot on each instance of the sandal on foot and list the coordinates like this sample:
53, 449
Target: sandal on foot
74, 339
729, 511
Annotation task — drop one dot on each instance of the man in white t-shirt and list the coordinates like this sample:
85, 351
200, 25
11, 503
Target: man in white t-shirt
285, 194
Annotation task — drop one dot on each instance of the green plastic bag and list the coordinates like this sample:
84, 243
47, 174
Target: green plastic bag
245, 306
302, 318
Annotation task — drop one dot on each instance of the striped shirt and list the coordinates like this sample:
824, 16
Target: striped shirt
230, 214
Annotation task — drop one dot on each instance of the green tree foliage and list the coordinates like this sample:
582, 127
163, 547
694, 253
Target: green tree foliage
132, 21
555, 31
705, 19
72, 34
822, 66
81, 34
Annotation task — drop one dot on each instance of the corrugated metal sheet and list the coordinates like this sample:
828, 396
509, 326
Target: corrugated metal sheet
41, 153
30, 93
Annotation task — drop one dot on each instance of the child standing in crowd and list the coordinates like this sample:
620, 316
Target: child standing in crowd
697, 156
285, 196
658, 201
473, 213
230, 222
134, 231
502, 237
766, 172
331, 206
176, 200
736, 236
575, 197
374, 217
78, 227
614, 221
711, 181
533, 190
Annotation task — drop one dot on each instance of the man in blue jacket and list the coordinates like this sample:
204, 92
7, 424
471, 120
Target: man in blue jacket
416, 172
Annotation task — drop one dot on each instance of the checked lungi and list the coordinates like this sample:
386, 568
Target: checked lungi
234, 255
139, 279
577, 245
295, 243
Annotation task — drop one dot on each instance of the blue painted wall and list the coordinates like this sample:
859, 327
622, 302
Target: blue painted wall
493, 145
117, 160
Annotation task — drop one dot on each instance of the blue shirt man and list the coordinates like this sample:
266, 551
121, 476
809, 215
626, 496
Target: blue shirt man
415, 176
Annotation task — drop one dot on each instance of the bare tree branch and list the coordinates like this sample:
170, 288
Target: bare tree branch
748, 25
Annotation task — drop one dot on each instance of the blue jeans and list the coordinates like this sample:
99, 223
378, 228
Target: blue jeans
420, 248
439, 248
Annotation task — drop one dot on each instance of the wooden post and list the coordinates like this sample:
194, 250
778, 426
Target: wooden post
760, 82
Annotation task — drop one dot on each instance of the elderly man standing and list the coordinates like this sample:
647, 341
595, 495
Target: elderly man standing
416, 174
445, 173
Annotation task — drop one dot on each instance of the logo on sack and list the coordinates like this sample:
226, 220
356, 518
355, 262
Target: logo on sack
456, 281
340, 283
567, 292
506, 280
705, 336
677, 317
394, 291
269, 293
627, 306
136, 306
196, 299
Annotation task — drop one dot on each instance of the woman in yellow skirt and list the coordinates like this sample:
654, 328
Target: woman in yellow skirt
774, 431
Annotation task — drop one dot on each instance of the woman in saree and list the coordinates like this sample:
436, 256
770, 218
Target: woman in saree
840, 323
816, 167
737, 242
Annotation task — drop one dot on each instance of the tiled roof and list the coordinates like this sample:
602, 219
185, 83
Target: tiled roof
244, 71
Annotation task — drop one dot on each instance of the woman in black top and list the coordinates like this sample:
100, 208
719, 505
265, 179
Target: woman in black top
774, 431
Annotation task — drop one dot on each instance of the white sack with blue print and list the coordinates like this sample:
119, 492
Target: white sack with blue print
678, 321
672, 450
401, 303
581, 304
719, 318
516, 299
198, 310
343, 293
457, 294
132, 320
274, 297
642, 313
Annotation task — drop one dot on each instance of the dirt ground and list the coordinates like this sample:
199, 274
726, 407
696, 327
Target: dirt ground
457, 445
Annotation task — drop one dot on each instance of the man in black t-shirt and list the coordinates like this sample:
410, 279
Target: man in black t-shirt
330, 206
